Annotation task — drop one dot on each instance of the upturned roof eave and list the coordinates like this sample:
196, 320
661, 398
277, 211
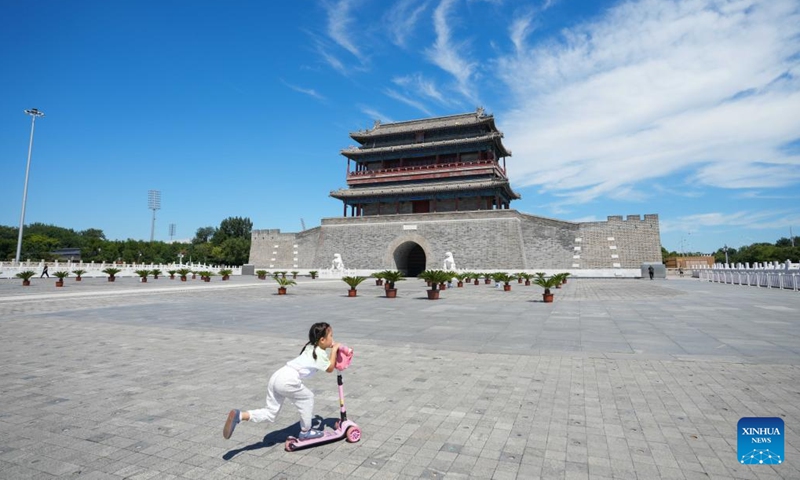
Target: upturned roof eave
495, 137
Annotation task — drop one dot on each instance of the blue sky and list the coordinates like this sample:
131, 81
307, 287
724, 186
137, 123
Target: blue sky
687, 109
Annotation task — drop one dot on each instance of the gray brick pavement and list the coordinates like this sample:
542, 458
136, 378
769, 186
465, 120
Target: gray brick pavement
616, 379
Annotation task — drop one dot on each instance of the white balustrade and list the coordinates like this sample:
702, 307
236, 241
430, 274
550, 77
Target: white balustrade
95, 269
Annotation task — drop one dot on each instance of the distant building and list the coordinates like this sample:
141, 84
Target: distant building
69, 254
421, 188
688, 263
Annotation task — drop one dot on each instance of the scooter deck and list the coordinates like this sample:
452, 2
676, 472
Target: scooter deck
330, 436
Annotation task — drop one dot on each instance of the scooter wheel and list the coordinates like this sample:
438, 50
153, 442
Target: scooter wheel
290, 445
353, 434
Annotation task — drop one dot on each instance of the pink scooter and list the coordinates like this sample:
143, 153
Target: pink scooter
344, 428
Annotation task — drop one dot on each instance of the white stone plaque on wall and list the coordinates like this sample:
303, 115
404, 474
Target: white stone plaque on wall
409, 227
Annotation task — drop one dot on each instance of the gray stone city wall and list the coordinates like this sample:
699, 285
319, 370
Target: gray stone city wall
493, 239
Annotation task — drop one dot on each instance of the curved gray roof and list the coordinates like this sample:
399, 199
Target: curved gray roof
381, 129
428, 187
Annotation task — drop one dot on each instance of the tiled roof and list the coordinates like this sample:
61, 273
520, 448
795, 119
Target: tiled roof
380, 129
430, 187
490, 137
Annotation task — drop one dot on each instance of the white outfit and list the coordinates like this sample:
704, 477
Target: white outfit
287, 383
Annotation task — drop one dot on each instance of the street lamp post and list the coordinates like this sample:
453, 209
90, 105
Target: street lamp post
725, 249
34, 113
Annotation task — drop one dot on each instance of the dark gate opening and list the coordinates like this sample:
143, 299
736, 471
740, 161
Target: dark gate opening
410, 259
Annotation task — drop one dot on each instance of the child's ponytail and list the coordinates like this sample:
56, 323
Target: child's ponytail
315, 334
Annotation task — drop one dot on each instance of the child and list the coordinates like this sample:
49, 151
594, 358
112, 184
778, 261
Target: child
287, 382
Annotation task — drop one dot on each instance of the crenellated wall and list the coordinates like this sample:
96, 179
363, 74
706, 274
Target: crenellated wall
495, 239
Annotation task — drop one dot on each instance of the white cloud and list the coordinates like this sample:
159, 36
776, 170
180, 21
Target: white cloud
750, 219
706, 88
307, 91
402, 19
375, 114
519, 29
447, 55
421, 86
408, 101
340, 25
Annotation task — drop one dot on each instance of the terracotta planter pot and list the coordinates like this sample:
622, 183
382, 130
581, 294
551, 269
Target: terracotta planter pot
225, 277
262, 277
558, 286
378, 282
78, 279
26, 283
442, 286
172, 277
433, 294
506, 288
183, 279
207, 279
460, 284
519, 280
352, 292
144, 279
477, 282
59, 283
111, 279
281, 290
155, 277
548, 298
487, 281
193, 276
391, 293
527, 282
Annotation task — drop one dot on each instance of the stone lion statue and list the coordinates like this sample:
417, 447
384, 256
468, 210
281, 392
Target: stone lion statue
449, 261
338, 264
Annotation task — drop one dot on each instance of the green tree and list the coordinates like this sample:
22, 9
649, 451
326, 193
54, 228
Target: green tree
203, 235
233, 227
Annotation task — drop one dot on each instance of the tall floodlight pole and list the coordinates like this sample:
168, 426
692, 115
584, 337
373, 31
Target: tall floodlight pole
153, 203
171, 231
34, 113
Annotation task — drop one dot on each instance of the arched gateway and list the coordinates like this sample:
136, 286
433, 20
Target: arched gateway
410, 258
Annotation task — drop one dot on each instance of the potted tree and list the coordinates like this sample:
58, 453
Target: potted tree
520, 276
461, 277
183, 273
505, 278
155, 273
313, 274
206, 275
61, 275
294, 274
262, 274
142, 274
353, 282
111, 272
282, 273
172, 274
547, 284
378, 276
78, 274
26, 277
391, 277
283, 283
564, 277
434, 279
527, 277
487, 278
226, 273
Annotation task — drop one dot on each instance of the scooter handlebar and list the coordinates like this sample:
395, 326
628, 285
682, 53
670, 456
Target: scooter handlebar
343, 357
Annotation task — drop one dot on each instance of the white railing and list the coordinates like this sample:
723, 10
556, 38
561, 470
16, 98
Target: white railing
95, 269
784, 280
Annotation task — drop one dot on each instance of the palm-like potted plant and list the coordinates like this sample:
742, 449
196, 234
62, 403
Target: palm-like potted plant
435, 278
487, 278
78, 274
111, 272
155, 273
26, 277
142, 274
283, 283
378, 276
506, 278
546, 283
225, 273
353, 282
313, 274
262, 274
391, 277
282, 273
294, 273
206, 275
61, 275
527, 277
564, 277
520, 276
476, 278
171, 274
183, 273
461, 277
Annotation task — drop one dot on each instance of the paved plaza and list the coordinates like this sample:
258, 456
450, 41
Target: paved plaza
631, 379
